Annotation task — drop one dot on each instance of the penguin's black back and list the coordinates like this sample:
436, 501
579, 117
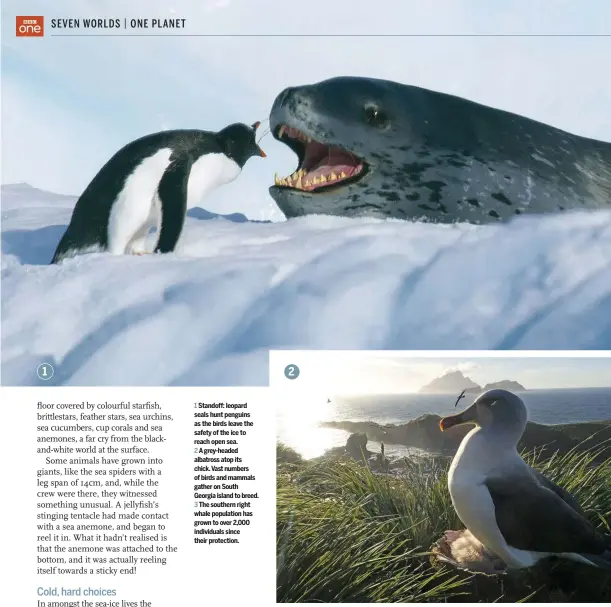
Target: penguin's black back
89, 223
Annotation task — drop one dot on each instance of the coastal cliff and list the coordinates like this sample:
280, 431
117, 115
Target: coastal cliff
424, 433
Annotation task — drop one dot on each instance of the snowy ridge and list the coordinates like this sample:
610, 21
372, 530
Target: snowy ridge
209, 313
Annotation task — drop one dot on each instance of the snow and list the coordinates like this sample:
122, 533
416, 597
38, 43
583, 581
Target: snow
209, 313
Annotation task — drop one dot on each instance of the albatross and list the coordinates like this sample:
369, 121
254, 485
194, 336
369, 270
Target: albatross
511, 511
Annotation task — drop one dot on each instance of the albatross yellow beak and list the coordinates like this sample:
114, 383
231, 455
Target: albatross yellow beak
452, 420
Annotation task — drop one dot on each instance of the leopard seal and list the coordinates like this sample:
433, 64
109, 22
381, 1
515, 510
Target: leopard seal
380, 148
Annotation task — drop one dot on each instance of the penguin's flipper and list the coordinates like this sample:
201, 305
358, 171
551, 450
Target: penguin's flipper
172, 193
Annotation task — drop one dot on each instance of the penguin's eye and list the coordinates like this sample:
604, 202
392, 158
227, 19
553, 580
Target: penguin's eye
375, 116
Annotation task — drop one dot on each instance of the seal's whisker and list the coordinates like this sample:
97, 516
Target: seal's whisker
265, 133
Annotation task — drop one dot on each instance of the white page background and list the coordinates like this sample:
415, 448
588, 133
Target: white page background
197, 574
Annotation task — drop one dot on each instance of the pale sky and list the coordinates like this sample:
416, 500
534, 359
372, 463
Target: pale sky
380, 373
68, 104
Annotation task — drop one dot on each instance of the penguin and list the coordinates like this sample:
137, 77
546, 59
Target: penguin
151, 182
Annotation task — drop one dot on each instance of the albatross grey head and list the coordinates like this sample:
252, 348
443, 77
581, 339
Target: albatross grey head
493, 411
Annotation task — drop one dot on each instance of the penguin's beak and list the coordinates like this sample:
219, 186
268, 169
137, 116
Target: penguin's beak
255, 126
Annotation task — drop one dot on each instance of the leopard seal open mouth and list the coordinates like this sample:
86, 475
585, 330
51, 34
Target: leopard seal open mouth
379, 148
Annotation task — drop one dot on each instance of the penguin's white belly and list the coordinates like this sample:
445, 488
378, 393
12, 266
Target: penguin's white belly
134, 211
207, 173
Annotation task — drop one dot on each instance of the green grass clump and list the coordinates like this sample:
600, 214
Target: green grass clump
345, 534
286, 455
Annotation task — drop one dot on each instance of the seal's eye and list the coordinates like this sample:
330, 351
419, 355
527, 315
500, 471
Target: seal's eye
375, 116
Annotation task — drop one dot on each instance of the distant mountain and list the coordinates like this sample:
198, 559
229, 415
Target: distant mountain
505, 384
455, 381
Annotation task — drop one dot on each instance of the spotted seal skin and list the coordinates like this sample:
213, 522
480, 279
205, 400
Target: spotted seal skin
379, 148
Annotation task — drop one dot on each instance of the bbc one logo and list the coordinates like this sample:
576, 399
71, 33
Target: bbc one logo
30, 26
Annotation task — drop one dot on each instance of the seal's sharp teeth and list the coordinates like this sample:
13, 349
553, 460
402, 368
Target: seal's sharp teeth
298, 184
308, 184
281, 131
323, 179
315, 181
333, 176
276, 179
343, 175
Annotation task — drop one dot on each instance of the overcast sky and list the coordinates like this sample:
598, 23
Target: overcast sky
68, 104
380, 373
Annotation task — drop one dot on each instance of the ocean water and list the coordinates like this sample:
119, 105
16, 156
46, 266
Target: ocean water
302, 432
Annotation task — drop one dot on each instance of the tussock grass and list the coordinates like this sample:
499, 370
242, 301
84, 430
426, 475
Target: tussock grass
345, 534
